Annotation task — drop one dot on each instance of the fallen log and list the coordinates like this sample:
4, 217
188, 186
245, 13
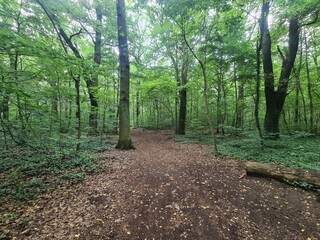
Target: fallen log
280, 173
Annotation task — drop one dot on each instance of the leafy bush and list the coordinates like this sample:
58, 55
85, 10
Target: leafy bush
27, 171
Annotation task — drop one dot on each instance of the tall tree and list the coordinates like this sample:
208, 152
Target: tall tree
275, 98
92, 83
67, 41
124, 141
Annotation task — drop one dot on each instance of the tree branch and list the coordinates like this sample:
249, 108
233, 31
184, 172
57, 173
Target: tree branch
316, 18
53, 23
76, 34
281, 53
92, 38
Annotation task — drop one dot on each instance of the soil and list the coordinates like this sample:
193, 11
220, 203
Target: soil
167, 190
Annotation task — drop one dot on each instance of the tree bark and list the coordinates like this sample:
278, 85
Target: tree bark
239, 99
258, 84
219, 96
311, 116
4, 108
275, 99
272, 113
92, 84
297, 88
183, 94
124, 141
77, 81
138, 107
279, 172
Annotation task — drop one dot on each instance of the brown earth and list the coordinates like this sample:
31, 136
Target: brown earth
168, 190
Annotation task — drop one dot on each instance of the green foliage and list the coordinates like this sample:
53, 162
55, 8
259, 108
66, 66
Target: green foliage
25, 172
298, 151
288, 151
70, 177
292, 151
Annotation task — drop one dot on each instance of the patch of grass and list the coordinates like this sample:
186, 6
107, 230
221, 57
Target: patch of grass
27, 171
297, 151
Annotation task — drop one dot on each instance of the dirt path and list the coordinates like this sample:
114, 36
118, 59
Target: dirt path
167, 190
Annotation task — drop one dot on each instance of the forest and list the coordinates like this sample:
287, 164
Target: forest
82, 77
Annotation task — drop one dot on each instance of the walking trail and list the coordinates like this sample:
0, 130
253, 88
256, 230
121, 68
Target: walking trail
168, 190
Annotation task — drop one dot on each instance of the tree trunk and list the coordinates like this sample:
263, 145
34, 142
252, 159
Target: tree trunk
137, 108
281, 173
311, 116
219, 93
258, 83
183, 95
271, 122
5, 105
78, 111
124, 141
297, 88
275, 99
235, 78
182, 112
92, 84
178, 81
239, 96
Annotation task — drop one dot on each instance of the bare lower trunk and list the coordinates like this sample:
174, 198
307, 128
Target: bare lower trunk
78, 112
183, 95
124, 141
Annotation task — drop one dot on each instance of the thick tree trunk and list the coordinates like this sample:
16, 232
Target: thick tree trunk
124, 141
280, 173
271, 122
275, 99
183, 95
182, 112
181, 99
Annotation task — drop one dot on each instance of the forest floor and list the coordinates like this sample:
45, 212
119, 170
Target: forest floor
166, 190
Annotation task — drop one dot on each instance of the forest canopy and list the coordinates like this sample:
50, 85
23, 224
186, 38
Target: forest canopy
225, 66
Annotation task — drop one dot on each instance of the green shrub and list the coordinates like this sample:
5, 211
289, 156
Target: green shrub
27, 171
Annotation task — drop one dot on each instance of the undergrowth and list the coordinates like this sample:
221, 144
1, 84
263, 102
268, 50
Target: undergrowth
301, 150
27, 171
